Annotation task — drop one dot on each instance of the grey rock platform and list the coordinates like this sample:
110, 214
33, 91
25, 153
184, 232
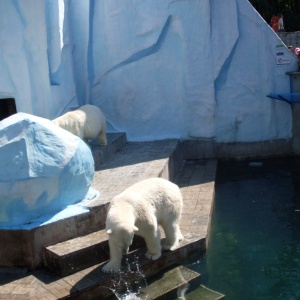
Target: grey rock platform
131, 163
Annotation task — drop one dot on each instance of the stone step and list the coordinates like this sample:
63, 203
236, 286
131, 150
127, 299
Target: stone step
135, 272
178, 283
204, 293
81, 252
76, 254
172, 284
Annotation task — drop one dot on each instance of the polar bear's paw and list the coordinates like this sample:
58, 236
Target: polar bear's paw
102, 141
167, 246
153, 256
111, 267
172, 246
180, 237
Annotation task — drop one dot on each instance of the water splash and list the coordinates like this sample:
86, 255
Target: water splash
129, 282
130, 296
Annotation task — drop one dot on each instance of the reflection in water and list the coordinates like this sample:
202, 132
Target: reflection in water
181, 291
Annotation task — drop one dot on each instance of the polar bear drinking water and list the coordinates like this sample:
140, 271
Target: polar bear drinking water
139, 210
87, 122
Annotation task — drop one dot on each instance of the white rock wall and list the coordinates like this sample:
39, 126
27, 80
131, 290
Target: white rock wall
35, 56
158, 69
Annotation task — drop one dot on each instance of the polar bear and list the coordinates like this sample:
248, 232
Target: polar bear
139, 210
87, 122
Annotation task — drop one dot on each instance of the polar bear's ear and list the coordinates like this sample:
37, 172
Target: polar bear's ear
135, 229
109, 231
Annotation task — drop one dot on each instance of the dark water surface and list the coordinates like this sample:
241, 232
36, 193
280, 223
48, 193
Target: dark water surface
254, 245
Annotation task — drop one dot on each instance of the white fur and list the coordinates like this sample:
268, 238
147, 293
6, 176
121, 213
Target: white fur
87, 122
139, 210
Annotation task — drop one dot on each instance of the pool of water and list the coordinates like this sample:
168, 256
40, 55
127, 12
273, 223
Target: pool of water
254, 244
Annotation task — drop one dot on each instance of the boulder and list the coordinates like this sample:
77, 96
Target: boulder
43, 169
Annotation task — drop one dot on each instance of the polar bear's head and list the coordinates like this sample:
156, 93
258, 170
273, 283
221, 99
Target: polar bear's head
121, 237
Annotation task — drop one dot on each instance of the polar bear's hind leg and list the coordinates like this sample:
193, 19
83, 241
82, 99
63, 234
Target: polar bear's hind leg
102, 138
115, 256
173, 236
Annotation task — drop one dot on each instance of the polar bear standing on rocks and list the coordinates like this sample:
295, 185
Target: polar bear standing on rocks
139, 210
87, 122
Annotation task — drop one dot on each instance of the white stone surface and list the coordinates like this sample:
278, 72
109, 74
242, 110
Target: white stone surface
199, 69
43, 169
157, 69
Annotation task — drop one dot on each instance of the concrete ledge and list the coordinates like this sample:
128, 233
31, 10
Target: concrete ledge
129, 275
115, 141
167, 286
208, 149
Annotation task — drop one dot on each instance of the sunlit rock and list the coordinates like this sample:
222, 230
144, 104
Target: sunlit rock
43, 169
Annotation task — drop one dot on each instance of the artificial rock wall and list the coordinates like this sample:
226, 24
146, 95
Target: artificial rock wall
158, 69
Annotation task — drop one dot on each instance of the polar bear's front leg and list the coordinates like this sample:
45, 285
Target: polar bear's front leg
115, 258
153, 244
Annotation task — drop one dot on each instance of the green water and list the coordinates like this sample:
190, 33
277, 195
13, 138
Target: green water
254, 245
